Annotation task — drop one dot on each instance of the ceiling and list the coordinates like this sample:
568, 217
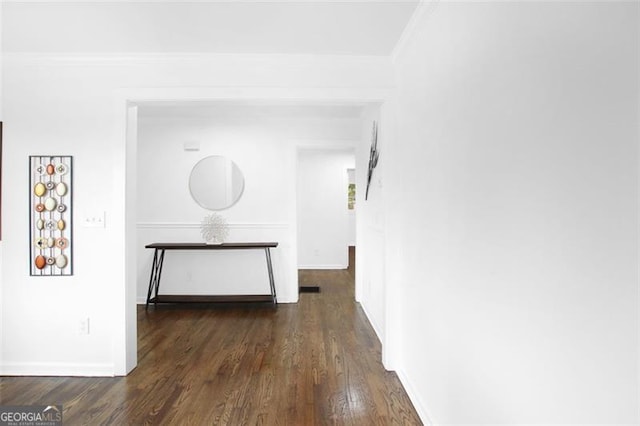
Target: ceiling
332, 27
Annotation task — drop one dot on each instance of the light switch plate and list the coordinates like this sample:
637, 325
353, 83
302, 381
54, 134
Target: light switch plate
94, 220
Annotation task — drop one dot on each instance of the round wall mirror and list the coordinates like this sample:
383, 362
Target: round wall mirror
216, 183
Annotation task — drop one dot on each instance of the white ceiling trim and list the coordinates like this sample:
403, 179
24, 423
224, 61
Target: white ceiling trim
156, 96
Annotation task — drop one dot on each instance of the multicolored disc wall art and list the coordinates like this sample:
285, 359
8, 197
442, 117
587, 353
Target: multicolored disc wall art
50, 212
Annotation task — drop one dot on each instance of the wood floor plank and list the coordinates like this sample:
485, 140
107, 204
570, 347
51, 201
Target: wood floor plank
312, 363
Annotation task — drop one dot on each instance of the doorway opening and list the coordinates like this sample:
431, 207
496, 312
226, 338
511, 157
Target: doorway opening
326, 215
286, 262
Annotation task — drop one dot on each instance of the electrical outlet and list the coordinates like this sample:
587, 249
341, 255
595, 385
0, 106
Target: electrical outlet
84, 326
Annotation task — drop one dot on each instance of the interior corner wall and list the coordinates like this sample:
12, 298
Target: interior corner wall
67, 104
518, 133
371, 223
380, 247
323, 215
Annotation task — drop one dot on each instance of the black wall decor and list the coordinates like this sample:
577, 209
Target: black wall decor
51, 215
373, 157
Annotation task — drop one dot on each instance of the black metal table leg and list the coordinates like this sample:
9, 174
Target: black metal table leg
151, 283
271, 280
154, 279
159, 272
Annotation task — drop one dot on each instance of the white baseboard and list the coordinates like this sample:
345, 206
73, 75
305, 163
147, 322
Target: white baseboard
57, 369
371, 323
406, 383
422, 411
323, 267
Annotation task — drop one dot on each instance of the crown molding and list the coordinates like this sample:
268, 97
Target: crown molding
424, 8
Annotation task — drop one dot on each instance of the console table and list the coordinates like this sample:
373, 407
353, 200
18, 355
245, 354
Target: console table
158, 260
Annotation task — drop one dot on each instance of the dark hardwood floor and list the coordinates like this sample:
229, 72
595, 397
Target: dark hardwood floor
312, 363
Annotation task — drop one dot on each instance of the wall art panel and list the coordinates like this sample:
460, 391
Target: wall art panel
51, 215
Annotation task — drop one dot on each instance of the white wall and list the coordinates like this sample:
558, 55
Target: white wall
323, 216
74, 105
517, 141
167, 213
263, 142
370, 227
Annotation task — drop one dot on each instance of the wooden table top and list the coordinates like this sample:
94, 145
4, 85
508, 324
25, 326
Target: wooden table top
204, 246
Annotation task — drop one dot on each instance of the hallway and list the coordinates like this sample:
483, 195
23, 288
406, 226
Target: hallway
312, 363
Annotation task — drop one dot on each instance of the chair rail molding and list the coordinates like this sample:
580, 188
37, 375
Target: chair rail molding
196, 225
